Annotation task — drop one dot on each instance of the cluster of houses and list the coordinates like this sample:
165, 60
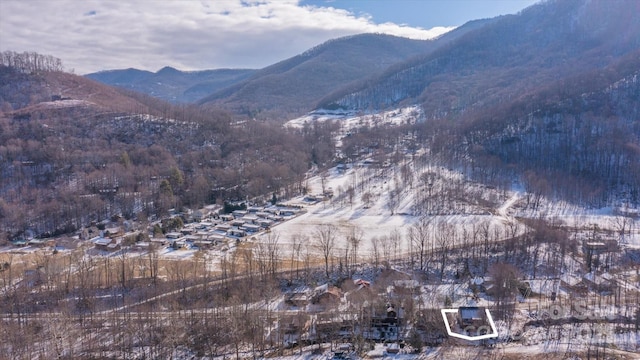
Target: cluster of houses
211, 228
319, 314
327, 312
377, 313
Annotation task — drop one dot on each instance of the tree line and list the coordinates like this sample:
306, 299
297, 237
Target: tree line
30, 61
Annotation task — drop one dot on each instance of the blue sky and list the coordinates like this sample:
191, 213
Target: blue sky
94, 35
426, 13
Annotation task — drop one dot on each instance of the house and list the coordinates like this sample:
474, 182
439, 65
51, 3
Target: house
204, 225
469, 323
187, 230
101, 242
326, 296
36, 242
471, 316
314, 198
173, 235
159, 242
178, 243
358, 293
114, 245
288, 212
192, 238
19, 242
215, 238
273, 210
594, 249
226, 217
239, 213
236, 233
113, 231
107, 244
383, 325
361, 283
222, 227
202, 235
324, 325
250, 228
293, 326
297, 299
250, 219
328, 193
264, 223
141, 246
237, 222
203, 244
371, 162
263, 214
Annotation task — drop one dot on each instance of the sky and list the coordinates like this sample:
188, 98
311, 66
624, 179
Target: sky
95, 35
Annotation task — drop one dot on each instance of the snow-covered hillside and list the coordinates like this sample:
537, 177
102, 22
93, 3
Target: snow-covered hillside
379, 202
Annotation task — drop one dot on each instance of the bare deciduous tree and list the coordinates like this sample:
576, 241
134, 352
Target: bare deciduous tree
354, 239
325, 242
419, 236
375, 250
296, 247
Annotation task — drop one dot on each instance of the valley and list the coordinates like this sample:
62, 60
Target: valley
471, 196
441, 243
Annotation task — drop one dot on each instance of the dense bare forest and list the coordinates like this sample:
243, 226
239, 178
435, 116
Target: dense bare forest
576, 139
67, 163
539, 95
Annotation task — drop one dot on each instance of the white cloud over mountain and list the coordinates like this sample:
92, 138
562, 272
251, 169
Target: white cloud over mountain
95, 35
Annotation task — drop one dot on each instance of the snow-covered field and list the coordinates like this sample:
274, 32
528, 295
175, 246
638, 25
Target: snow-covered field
372, 220
376, 219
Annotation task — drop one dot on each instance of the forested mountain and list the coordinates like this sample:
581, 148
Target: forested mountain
171, 84
295, 85
75, 152
576, 139
549, 95
513, 55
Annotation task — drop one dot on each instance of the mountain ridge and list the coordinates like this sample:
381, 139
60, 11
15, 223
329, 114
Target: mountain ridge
321, 69
171, 84
542, 38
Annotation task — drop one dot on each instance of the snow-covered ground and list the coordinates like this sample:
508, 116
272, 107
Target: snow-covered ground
351, 120
374, 218
64, 103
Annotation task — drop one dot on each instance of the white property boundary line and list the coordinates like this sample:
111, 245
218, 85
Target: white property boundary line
493, 334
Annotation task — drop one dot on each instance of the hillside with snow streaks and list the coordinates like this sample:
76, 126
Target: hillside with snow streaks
374, 199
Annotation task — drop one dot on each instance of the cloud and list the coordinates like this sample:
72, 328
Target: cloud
95, 35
